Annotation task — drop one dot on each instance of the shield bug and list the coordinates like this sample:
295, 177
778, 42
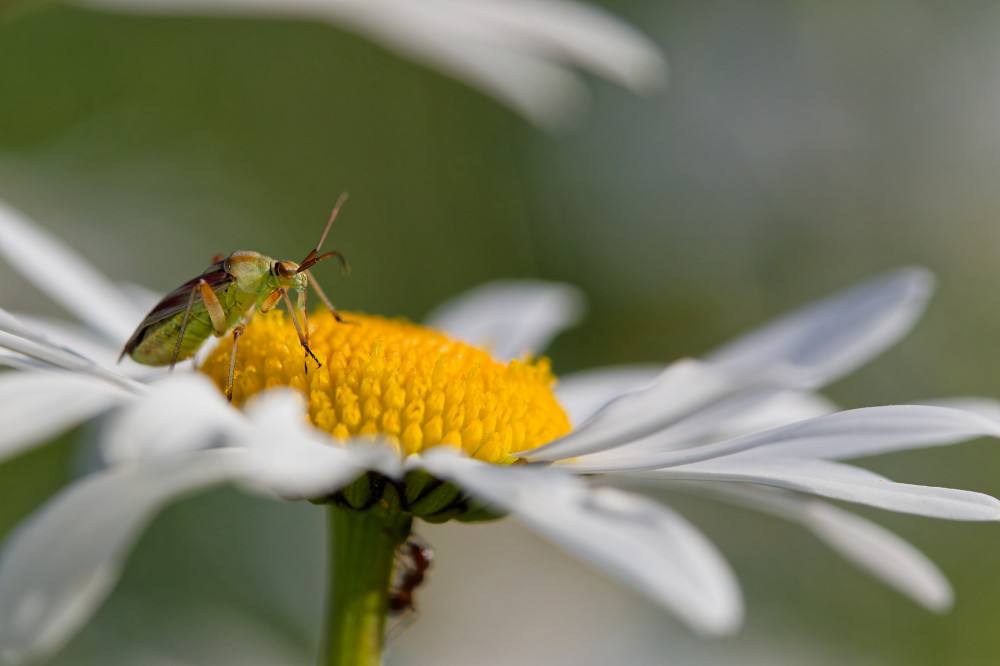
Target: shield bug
223, 298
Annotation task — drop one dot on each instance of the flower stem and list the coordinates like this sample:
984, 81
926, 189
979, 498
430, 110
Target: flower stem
362, 549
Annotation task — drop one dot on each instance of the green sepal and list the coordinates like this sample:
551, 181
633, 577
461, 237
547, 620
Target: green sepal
436, 500
444, 516
415, 483
390, 501
476, 512
359, 493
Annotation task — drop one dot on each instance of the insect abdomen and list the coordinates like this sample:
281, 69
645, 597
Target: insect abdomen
158, 344
160, 339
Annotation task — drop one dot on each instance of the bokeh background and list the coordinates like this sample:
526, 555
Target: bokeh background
799, 147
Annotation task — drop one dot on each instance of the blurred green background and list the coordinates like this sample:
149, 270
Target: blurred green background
799, 148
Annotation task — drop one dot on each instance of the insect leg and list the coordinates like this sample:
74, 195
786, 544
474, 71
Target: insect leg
237, 332
295, 320
323, 297
215, 312
404, 622
214, 306
184, 325
301, 306
272, 299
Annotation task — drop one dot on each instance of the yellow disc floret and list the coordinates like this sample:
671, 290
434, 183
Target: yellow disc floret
392, 377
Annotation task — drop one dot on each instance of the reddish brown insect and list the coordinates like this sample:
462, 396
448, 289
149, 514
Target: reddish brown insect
413, 559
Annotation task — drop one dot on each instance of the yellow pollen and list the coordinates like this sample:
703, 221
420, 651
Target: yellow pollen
391, 377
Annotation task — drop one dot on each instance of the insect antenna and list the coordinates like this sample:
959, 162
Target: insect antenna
306, 265
311, 257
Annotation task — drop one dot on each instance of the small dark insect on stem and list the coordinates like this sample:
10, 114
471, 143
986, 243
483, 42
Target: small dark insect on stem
413, 559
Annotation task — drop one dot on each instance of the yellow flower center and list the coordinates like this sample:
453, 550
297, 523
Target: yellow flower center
399, 379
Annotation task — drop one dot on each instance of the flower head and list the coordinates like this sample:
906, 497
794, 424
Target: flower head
391, 377
740, 425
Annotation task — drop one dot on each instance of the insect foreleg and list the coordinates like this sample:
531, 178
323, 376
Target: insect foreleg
323, 297
272, 299
295, 320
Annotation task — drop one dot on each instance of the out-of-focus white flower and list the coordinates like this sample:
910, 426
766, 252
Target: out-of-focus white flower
741, 425
520, 52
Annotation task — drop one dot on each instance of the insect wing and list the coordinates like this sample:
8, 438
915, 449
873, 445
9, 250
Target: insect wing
176, 301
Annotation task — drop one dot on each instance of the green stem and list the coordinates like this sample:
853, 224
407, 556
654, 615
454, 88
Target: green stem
362, 549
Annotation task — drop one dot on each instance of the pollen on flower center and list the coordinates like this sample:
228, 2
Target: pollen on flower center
399, 379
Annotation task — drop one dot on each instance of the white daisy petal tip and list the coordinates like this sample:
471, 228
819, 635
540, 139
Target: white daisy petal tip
867, 545
843, 482
883, 554
823, 341
839, 436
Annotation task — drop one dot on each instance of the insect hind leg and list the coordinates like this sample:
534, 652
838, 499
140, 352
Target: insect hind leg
184, 325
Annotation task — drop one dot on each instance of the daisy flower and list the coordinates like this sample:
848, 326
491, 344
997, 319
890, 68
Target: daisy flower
406, 422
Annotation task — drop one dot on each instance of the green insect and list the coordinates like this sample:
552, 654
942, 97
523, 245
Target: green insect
222, 299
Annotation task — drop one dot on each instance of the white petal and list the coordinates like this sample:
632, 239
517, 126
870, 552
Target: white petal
817, 344
746, 411
16, 336
581, 394
58, 566
639, 541
580, 34
295, 460
682, 389
518, 51
66, 277
75, 337
848, 434
511, 317
780, 408
34, 407
977, 404
874, 431
181, 413
842, 482
21, 362
869, 546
